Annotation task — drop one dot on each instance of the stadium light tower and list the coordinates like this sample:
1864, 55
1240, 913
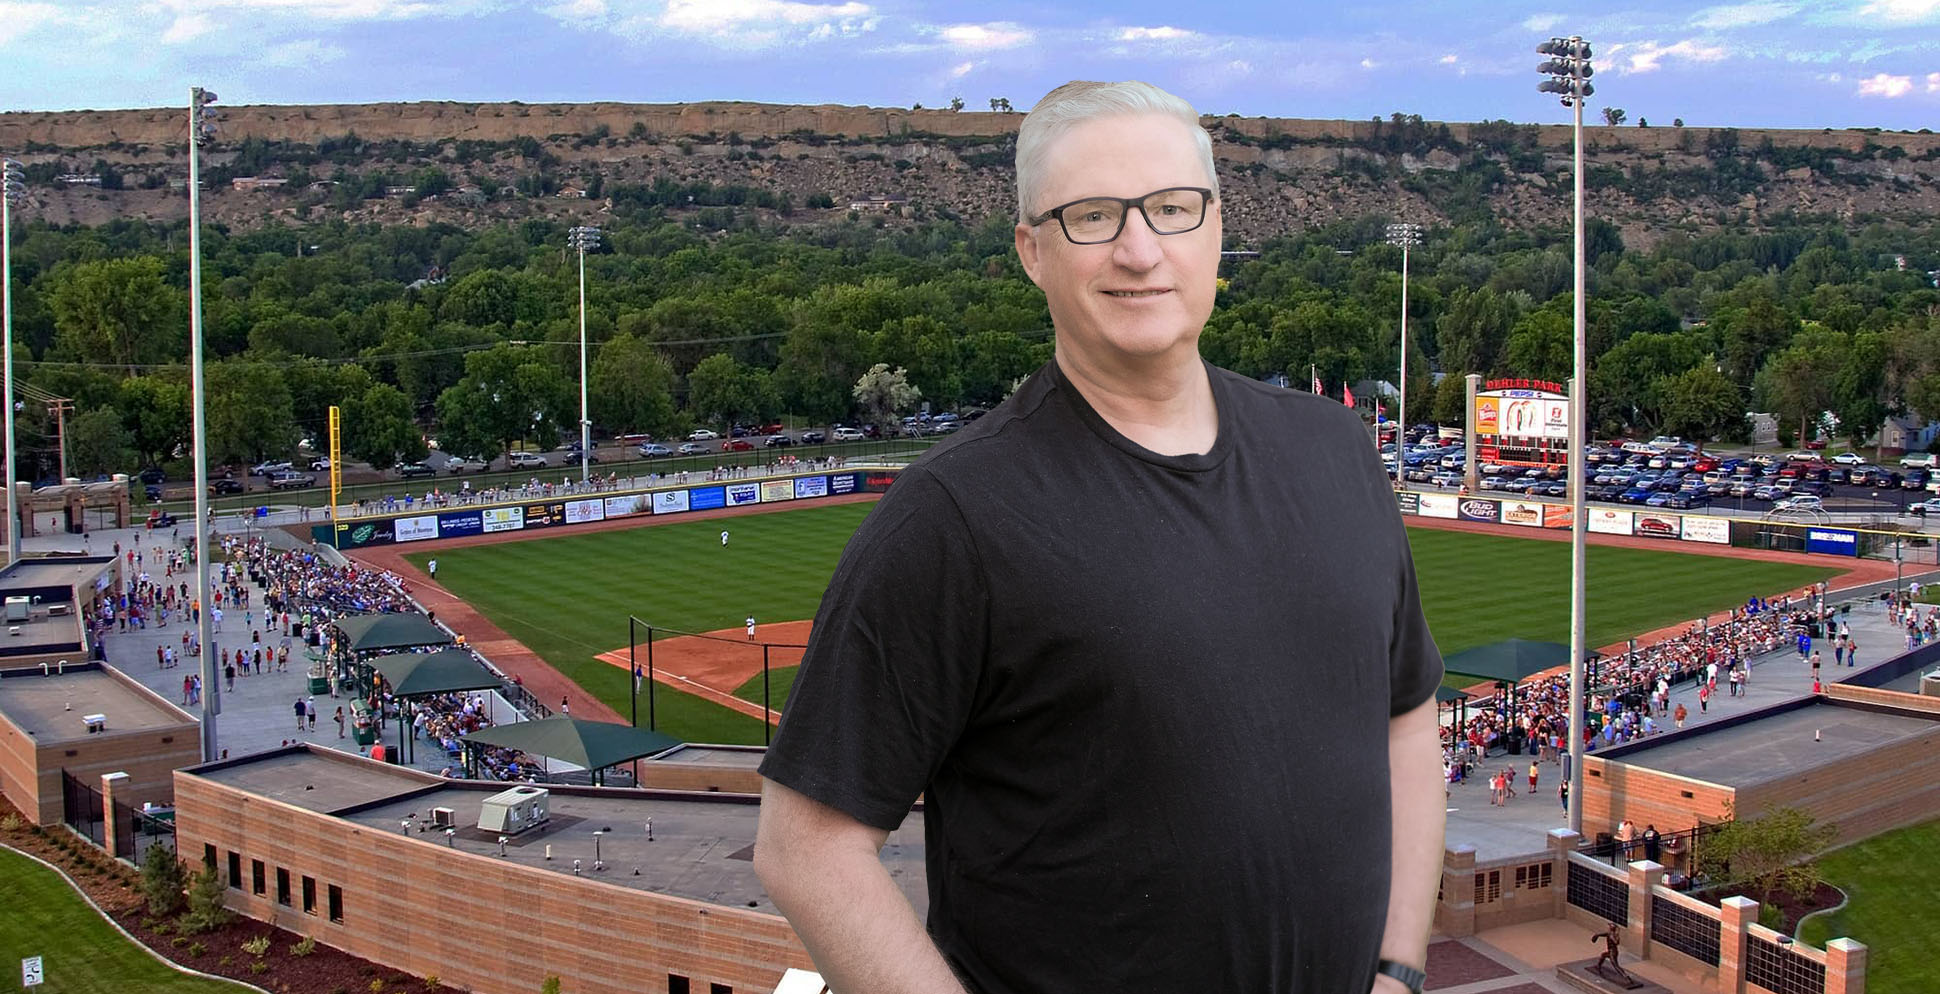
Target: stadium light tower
583, 239
1568, 74
202, 130
1406, 236
13, 192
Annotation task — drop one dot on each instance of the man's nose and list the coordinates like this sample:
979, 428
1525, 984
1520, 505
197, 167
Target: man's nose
1137, 247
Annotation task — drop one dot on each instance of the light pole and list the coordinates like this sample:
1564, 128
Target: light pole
1568, 71
13, 190
1407, 236
202, 129
583, 239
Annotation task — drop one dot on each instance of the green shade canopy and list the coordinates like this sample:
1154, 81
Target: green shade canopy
1510, 662
590, 744
1445, 694
391, 630
420, 674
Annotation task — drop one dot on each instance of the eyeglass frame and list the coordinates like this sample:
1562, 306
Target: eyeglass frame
1128, 204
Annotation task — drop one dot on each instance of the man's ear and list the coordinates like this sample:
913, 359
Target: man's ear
1026, 239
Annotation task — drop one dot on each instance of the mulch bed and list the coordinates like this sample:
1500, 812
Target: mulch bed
1826, 896
116, 888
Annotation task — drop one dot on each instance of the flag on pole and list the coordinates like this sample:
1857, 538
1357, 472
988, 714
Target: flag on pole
1346, 395
1317, 389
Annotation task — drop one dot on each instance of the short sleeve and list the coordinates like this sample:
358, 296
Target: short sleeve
893, 663
1414, 662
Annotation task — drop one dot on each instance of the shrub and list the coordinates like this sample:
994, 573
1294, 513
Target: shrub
161, 881
551, 986
257, 946
180, 941
225, 961
197, 949
304, 948
206, 910
11, 823
430, 981
259, 966
377, 986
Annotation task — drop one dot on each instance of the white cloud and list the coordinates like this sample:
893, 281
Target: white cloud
996, 34
1649, 56
187, 27
1369, 64
1162, 33
1542, 22
1933, 82
304, 54
1742, 15
1449, 59
17, 19
1883, 85
961, 69
578, 10
1900, 10
718, 17
339, 10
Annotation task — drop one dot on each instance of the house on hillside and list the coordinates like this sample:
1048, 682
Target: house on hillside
1908, 434
250, 184
885, 202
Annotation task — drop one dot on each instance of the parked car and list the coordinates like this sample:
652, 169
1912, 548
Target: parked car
1921, 460
1849, 459
813, 438
269, 467
1800, 502
320, 465
737, 445
152, 474
572, 458
777, 441
654, 450
1924, 508
464, 464
151, 492
226, 486
159, 518
291, 481
411, 469
692, 449
1685, 502
527, 460
702, 435
843, 433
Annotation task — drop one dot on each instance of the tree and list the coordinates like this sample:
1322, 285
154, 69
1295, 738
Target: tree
956, 103
1470, 333
1613, 116
378, 427
1798, 382
721, 391
1451, 401
161, 881
631, 388
1677, 122
97, 443
1643, 122
509, 393
119, 311
1769, 854
1540, 347
155, 410
1701, 405
1859, 388
248, 412
883, 394
206, 911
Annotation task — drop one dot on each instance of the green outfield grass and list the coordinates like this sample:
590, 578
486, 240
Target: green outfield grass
1889, 882
568, 598
81, 952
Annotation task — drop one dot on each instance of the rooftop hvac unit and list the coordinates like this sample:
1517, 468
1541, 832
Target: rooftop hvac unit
443, 818
513, 811
19, 608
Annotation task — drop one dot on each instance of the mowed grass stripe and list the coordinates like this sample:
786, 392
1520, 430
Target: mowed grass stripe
568, 598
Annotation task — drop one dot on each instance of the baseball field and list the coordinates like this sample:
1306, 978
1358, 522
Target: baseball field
568, 598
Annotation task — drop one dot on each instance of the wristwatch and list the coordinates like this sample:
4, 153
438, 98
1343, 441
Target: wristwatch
1408, 975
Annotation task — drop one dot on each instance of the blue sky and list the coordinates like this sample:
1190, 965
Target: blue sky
1765, 63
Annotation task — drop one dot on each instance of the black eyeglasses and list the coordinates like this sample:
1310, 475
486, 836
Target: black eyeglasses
1096, 220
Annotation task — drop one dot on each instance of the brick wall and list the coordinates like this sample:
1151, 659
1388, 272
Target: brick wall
1614, 790
1888, 787
31, 773
477, 922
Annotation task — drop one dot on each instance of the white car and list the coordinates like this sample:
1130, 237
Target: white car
527, 460
847, 435
1925, 508
702, 435
319, 465
1918, 460
1849, 459
460, 464
1800, 502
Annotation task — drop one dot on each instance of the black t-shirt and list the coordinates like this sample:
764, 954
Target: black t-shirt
1147, 696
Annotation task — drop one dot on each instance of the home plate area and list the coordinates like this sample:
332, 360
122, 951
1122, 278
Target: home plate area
712, 665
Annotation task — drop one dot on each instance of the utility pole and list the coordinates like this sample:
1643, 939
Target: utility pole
59, 407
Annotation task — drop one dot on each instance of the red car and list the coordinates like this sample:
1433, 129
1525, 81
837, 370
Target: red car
737, 445
1817, 443
1704, 465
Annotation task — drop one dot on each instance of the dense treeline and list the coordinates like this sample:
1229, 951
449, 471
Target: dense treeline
472, 335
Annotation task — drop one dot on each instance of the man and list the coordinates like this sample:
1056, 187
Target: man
751, 628
432, 566
724, 538
1073, 629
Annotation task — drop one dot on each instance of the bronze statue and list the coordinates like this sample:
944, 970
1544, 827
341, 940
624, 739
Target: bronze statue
1612, 938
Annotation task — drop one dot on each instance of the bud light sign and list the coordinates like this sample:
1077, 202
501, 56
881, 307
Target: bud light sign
1832, 541
1479, 510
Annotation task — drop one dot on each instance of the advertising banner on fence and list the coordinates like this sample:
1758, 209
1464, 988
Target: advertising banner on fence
1438, 505
579, 512
1650, 524
504, 519
1832, 541
1522, 512
845, 483
620, 507
370, 533
1605, 521
774, 490
743, 493
1479, 509
544, 515
670, 502
706, 498
1408, 501
811, 486
1716, 531
878, 482
417, 528
456, 523
1558, 516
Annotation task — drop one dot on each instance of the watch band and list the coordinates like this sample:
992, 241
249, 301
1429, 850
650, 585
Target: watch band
1408, 975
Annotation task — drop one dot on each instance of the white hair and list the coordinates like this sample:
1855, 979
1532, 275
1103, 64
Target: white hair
1079, 101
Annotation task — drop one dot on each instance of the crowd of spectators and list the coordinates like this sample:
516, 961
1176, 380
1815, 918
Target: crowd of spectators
301, 586
536, 489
